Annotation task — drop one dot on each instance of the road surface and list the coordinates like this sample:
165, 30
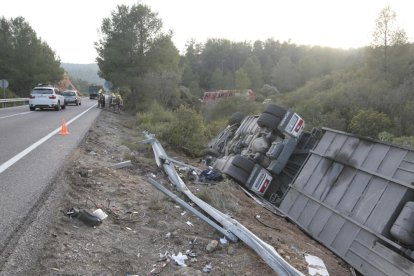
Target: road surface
32, 152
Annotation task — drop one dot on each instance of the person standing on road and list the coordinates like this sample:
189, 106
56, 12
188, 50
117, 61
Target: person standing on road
101, 99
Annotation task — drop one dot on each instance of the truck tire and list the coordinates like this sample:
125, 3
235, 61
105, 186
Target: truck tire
269, 121
275, 110
237, 174
236, 118
243, 163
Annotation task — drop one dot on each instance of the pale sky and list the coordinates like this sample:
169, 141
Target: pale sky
70, 27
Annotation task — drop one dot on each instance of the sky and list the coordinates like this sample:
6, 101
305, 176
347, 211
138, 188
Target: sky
71, 27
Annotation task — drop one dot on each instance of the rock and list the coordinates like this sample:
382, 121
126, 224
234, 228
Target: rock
212, 246
231, 250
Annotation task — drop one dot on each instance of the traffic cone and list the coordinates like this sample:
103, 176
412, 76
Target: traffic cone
64, 129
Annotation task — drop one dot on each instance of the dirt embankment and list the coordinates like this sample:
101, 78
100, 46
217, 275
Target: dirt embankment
144, 228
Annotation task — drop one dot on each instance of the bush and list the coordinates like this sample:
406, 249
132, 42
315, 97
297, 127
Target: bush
156, 120
186, 131
368, 122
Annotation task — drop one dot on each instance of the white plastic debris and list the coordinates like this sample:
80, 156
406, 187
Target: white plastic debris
183, 213
189, 223
100, 214
316, 266
168, 235
223, 240
127, 228
207, 268
180, 259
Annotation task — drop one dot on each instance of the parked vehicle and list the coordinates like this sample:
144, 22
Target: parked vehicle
93, 91
46, 97
353, 194
72, 97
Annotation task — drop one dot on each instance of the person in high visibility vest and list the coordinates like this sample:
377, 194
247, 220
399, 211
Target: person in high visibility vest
101, 99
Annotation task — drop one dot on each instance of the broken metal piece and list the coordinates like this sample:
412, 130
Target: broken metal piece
121, 165
184, 204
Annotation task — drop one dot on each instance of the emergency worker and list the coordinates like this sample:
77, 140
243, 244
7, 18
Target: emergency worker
101, 99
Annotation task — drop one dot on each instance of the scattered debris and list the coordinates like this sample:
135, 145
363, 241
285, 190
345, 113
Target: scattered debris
85, 216
100, 214
180, 259
121, 165
207, 268
189, 223
224, 241
316, 266
265, 224
210, 175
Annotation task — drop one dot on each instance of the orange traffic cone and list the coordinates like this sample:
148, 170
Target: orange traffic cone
64, 129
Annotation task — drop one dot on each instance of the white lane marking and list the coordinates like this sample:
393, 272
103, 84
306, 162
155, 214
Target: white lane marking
23, 153
8, 116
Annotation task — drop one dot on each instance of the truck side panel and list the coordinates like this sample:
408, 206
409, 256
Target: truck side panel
348, 194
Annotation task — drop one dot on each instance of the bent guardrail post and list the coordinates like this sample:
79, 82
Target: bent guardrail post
264, 250
187, 206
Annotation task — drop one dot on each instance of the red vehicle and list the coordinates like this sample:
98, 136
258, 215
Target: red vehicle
213, 96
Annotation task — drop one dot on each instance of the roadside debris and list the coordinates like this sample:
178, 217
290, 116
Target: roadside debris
210, 175
316, 266
121, 165
264, 250
85, 216
180, 259
207, 268
100, 214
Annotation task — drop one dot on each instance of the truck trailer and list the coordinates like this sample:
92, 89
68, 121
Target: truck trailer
353, 194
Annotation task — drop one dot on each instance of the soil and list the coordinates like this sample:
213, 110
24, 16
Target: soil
145, 228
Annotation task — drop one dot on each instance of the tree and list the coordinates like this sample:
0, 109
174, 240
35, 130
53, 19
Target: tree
386, 34
127, 37
370, 123
25, 60
242, 79
285, 75
254, 71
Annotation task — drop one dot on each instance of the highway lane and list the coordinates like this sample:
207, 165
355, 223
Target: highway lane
24, 183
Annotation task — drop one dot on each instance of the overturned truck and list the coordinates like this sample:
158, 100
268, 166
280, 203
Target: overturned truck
353, 194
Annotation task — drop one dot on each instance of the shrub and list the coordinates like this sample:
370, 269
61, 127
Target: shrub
156, 120
186, 131
368, 122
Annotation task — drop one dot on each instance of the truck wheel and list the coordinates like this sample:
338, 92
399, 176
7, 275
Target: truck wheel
64, 106
269, 121
275, 110
32, 108
236, 118
237, 174
243, 163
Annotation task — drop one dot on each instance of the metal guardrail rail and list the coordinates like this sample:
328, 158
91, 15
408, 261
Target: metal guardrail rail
14, 100
263, 249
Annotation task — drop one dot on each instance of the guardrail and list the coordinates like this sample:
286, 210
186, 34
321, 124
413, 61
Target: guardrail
231, 227
12, 101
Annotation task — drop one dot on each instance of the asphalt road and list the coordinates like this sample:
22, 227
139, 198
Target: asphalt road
32, 152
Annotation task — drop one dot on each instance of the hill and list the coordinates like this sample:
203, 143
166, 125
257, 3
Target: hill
86, 72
